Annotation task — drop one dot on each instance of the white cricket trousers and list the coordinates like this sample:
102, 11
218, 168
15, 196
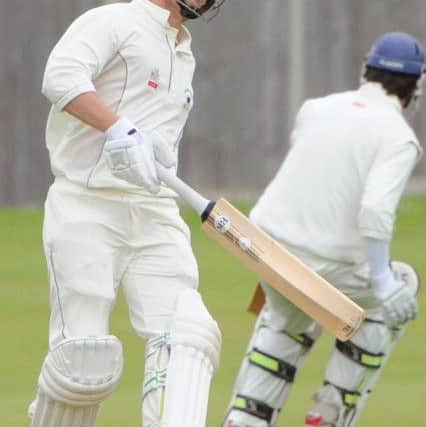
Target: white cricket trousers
96, 240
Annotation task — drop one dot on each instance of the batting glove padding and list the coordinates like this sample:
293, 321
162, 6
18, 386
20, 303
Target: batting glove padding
132, 155
399, 294
400, 307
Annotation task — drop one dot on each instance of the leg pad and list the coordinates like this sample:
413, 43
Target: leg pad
77, 375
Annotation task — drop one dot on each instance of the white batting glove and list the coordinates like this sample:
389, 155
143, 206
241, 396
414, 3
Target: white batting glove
162, 152
132, 154
399, 301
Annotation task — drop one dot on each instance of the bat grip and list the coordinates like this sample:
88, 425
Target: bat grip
200, 204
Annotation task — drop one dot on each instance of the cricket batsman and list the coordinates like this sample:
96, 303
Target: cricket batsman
120, 84
333, 203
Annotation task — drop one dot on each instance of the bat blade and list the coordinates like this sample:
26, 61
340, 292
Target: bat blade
286, 273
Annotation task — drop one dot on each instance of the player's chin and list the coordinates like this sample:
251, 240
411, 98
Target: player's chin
196, 4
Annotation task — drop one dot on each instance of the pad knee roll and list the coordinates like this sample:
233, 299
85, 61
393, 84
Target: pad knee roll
352, 360
82, 371
194, 327
266, 375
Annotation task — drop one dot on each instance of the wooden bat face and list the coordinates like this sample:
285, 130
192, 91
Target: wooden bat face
282, 270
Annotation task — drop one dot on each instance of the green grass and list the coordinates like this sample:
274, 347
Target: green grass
226, 287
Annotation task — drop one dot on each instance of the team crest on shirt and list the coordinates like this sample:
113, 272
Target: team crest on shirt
358, 104
154, 79
188, 99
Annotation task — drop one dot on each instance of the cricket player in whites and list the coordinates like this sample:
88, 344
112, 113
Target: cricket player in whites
332, 204
120, 81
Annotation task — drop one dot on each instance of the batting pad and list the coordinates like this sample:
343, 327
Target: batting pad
195, 341
76, 377
156, 362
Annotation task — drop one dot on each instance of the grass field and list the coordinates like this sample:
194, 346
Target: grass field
226, 287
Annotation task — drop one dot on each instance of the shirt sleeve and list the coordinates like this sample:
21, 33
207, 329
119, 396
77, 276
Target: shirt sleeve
298, 121
79, 56
384, 187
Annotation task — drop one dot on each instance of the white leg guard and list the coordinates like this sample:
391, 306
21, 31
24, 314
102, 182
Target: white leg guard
356, 366
195, 342
77, 375
267, 374
156, 361
351, 366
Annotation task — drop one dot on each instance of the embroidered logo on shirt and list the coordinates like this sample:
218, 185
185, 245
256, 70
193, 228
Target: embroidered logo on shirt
154, 79
188, 99
358, 104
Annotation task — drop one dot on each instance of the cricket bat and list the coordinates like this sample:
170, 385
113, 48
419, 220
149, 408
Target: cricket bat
271, 261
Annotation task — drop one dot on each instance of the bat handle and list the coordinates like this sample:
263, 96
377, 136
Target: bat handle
200, 204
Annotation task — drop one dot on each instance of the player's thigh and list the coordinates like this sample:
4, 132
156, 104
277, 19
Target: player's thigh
283, 314
82, 258
156, 276
353, 281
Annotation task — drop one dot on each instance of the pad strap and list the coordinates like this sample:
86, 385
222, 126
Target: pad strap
359, 355
253, 407
349, 397
303, 339
380, 322
275, 366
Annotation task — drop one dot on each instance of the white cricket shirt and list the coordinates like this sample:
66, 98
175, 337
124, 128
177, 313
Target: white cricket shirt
128, 54
350, 158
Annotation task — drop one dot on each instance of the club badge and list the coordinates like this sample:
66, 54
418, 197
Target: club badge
154, 79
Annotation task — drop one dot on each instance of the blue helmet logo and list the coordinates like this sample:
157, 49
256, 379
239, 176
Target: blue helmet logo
398, 53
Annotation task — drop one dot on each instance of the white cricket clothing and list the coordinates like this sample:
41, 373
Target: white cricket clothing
99, 231
351, 156
129, 54
95, 240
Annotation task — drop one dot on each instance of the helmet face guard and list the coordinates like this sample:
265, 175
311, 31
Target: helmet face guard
206, 12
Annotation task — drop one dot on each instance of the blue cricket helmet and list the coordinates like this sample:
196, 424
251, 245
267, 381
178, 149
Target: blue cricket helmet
398, 53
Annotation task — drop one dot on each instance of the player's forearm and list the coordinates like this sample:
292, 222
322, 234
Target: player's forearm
90, 109
378, 254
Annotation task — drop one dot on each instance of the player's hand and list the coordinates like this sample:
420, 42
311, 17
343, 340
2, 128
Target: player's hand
399, 301
400, 306
162, 152
132, 154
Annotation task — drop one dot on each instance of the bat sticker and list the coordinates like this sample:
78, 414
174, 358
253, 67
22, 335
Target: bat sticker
244, 243
222, 224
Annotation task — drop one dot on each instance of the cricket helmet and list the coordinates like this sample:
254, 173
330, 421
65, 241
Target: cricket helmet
397, 52
211, 6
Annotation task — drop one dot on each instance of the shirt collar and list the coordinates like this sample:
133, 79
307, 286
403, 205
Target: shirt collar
161, 17
377, 92
157, 13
